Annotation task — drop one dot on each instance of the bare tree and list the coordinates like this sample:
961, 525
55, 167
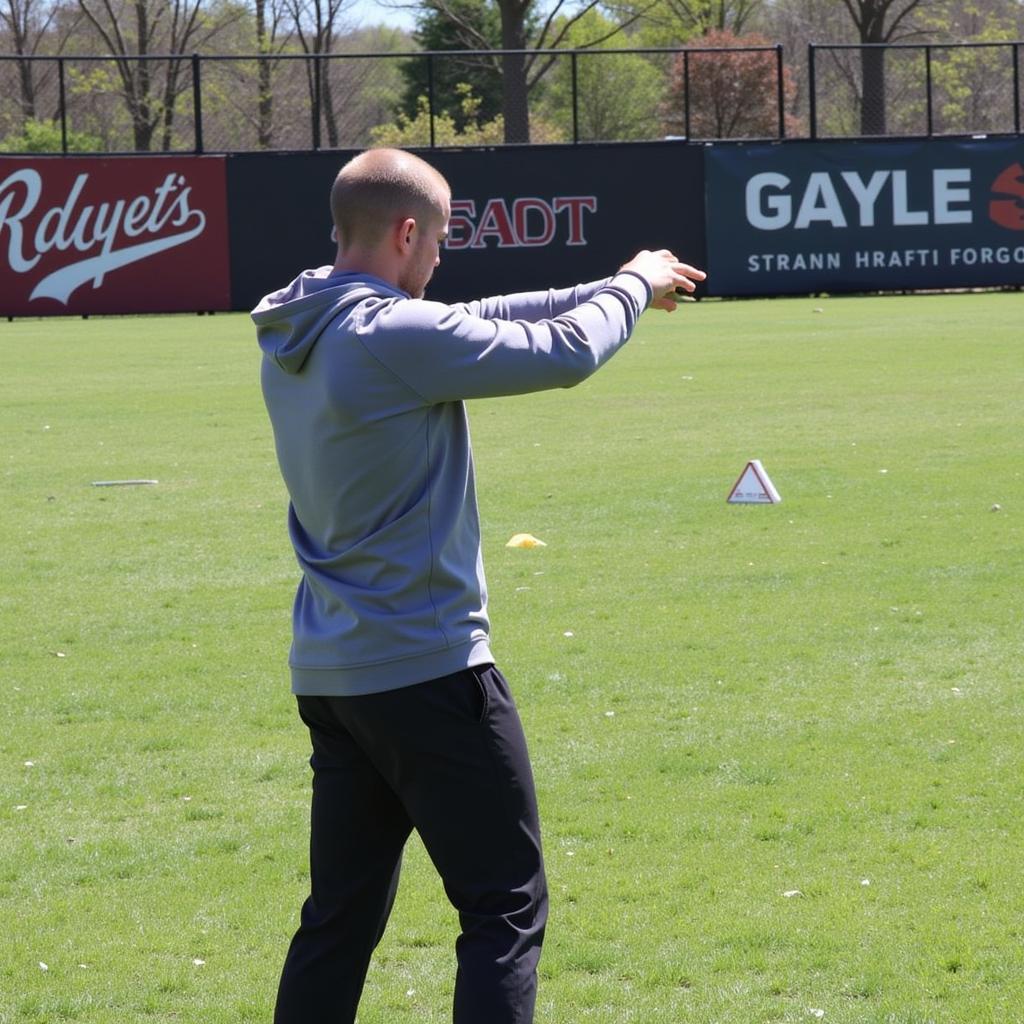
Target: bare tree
689, 18
794, 24
32, 25
243, 97
271, 38
140, 28
318, 24
877, 21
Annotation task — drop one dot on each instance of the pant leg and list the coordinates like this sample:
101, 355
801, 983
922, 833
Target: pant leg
454, 751
358, 829
496, 880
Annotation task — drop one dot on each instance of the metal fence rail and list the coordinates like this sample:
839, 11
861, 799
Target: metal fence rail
286, 102
195, 103
915, 89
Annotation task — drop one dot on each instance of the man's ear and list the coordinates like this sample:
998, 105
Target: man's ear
405, 234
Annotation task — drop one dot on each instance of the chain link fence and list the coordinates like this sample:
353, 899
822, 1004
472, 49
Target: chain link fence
915, 89
99, 104
344, 100
28, 91
353, 100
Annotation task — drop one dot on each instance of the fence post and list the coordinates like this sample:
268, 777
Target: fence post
812, 91
430, 96
63, 107
928, 87
1016, 87
316, 100
779, 82
686, 95
575, 104
197, 103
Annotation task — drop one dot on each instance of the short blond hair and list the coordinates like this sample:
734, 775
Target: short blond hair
380, 186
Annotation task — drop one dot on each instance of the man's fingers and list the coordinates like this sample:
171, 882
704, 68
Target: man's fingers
693, 272
684, 277
667, 276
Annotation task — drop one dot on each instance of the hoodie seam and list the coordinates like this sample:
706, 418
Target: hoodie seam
384, 366
430, 538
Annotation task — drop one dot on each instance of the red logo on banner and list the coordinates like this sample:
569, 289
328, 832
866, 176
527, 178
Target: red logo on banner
1007, 206
526, 223
128, 235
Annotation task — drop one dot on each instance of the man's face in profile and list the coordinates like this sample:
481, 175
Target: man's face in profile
426, 253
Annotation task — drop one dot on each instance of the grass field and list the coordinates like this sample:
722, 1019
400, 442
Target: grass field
778, 749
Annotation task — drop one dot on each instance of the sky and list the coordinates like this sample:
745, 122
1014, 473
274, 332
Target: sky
370, 12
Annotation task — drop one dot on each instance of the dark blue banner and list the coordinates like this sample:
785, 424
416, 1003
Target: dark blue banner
523, 217
850, 217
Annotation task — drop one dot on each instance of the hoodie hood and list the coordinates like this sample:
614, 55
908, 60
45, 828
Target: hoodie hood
289, 322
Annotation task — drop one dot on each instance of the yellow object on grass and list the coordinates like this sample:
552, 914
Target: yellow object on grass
525, 540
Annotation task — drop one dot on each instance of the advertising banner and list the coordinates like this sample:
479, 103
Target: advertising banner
843, 217
522, 217
123, 235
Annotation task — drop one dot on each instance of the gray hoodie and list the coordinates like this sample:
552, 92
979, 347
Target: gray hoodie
365, 386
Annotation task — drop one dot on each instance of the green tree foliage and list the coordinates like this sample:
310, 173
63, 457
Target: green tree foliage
457, 25
95, 106
414, 132
674, 22
973, 87
265, 99
470, 129
150, 89
45, 137
618, 95
526, 28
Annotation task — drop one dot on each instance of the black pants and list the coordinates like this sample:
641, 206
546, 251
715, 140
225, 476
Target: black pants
448, 758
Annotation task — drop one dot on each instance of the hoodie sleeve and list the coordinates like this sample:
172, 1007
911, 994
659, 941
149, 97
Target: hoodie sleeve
532, 306
446, 353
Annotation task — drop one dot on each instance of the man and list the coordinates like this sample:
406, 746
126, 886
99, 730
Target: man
412, 725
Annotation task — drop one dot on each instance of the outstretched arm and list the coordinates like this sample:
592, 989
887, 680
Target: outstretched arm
545, 305
446, 353
532, 306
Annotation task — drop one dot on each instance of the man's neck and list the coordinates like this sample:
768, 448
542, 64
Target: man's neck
366, 262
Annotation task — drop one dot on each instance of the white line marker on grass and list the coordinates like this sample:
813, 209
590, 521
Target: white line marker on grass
124, 483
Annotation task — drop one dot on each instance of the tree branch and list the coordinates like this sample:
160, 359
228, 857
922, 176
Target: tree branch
899, 17
470, 33
853, 9
549, 21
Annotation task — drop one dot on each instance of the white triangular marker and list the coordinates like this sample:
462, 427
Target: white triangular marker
754, 487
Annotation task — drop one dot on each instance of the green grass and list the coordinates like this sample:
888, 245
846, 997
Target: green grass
754, 701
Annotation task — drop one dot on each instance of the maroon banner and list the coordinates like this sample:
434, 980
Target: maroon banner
125, 235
